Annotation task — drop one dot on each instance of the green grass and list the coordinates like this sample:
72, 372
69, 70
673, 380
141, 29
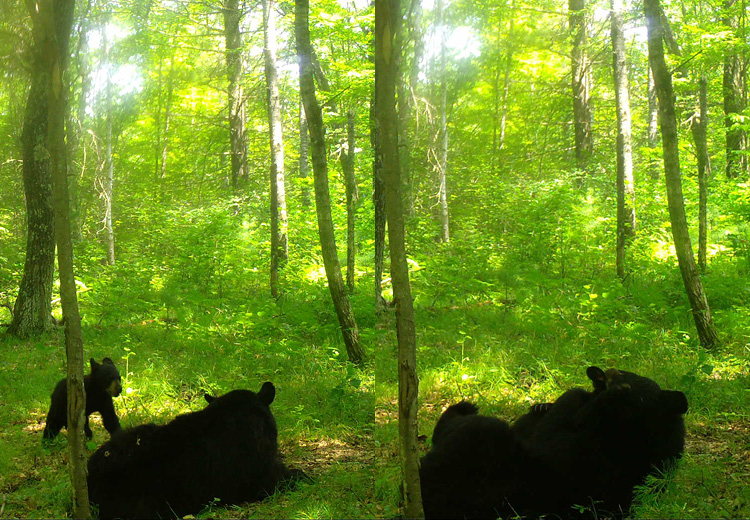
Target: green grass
505, 317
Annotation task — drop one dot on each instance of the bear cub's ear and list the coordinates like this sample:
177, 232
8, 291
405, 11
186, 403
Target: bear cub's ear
108, 361
209, 398
597, 377
94, 364
674, 400
267, 393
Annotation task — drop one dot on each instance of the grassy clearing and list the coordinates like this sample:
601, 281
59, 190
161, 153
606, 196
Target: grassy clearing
511, 313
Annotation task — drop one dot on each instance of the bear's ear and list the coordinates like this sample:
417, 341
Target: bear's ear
596, 375
674, 400
108, 361
267, 392
209, 398
94, 364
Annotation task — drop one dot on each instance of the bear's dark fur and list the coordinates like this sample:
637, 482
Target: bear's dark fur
592, 448
588, 448
227, 451
101, 385
475, 469
563, 411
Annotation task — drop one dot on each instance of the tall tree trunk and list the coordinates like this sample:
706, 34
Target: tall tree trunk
322, 197
108, 163
75, 122
52, 26
734, 88
581, 83
668, 121
625, 187
378, 199
32, 312
506, 77
699, 127
279, 220
443, 134
304, 156
653, 124
387, 49
237, 138
347, 164
416, 35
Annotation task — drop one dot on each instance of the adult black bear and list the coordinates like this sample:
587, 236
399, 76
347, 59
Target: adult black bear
592, 449
475, 469
227, 451
102, 384
563, 411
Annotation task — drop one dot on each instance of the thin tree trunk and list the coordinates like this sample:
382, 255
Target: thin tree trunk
237, 138
581, 83
304, 156
322, 197
653, 123
699, 128
347, 164
279, 220
378, 199
387, 27
417, 37
625, 187
506, 77
108, 163
53, 26
668, 120
443, 134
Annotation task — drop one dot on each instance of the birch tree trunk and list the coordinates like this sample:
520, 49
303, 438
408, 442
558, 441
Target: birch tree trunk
322, 197
304, 156
279, 220
668, 121
625, 186
387, 27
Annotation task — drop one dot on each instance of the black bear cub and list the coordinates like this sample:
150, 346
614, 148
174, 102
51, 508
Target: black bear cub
475, 469
228, 451
102, 384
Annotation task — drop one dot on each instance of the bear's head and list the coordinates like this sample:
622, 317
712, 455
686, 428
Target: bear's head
106, 376
638, 387
265, 395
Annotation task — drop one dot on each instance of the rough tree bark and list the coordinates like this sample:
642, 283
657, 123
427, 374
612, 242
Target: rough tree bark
304, 157
699, 127
237, 137
53, 22
279, 220
581, 83
625, 186
668, 122
378, 200
32, 312
322, 197
387, 49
